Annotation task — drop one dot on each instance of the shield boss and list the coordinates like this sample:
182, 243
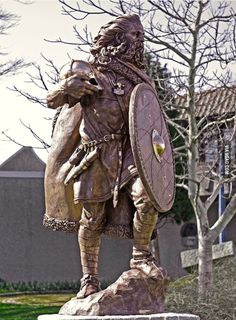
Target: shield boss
152, 150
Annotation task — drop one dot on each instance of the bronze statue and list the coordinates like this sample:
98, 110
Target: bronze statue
101, 175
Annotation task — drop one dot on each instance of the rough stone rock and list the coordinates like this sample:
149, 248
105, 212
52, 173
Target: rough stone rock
134, 293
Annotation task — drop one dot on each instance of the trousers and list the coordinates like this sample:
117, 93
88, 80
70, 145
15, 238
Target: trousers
93, 220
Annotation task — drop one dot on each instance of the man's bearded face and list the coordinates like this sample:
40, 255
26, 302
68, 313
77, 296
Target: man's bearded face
132, 48
127, 46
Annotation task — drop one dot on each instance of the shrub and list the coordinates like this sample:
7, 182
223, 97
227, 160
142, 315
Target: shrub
182, 294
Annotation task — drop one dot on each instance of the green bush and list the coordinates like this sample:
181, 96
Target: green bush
37, 286
221, 305
43, 287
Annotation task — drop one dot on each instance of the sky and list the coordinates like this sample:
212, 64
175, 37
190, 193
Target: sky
39, 20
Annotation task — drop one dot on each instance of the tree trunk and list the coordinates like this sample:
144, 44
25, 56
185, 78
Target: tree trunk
205, 267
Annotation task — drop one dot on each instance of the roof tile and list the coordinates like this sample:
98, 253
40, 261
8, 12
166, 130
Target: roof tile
211, 102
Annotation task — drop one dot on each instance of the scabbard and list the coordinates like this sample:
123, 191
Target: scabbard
84, 164
77, 156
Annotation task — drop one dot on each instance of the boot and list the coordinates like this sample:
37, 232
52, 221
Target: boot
89, 242
144, 223
89, 285
145, 262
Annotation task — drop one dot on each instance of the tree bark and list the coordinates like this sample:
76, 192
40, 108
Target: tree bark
205, 267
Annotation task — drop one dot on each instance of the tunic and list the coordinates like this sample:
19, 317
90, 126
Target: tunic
102, 115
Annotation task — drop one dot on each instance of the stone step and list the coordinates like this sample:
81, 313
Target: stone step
160, 316
189, 258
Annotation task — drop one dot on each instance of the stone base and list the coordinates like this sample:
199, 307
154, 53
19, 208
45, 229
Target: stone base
160, 316
133, 293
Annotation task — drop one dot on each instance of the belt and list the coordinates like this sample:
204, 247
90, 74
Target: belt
105, 139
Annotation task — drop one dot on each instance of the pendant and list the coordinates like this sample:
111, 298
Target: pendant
119, 89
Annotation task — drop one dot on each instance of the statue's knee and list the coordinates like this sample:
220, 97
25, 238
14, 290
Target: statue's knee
92, 225
146, 207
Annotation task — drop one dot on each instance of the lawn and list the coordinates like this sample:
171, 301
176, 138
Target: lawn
24, 312
28, 307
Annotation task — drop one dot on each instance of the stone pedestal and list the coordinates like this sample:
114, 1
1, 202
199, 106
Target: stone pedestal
160, 316
133, 293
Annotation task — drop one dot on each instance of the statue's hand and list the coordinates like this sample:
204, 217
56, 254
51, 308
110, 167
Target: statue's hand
79, 86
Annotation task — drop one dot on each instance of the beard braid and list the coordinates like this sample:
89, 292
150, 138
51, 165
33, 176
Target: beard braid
127, 52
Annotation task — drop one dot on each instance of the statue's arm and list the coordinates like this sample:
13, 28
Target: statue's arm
74, 86
57, 96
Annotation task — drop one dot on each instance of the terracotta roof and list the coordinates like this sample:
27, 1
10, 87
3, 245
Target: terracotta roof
211, 102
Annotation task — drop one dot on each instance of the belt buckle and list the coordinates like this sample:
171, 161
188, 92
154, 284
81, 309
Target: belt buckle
92, 143
107, 138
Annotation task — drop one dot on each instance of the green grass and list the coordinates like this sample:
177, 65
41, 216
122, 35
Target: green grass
24, 312
29, 307
38, 299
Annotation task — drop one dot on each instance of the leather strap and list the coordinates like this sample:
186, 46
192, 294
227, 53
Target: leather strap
123, 111
105, 139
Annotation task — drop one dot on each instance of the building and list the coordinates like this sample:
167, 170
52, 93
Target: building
217, 147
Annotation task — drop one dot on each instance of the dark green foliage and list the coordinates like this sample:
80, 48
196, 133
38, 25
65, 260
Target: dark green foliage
160, 76
40, 287
182, 210
43, 287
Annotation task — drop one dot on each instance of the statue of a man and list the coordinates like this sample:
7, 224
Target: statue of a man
107, 184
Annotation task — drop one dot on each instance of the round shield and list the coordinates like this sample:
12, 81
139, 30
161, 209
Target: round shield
152, 150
